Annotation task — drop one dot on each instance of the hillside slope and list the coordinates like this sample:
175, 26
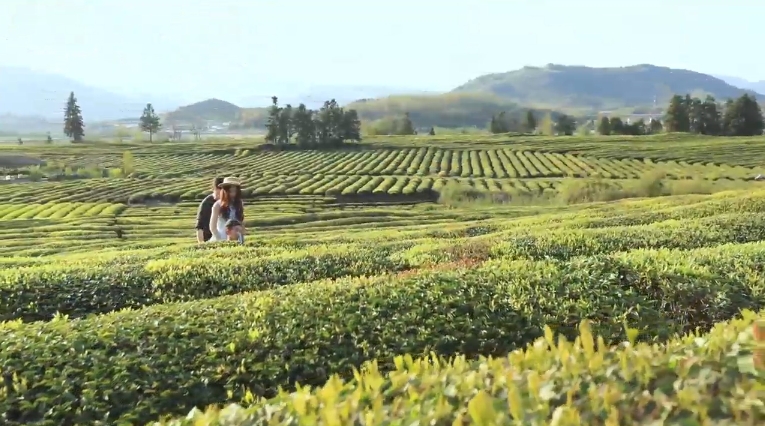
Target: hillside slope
31, 93
440, 110
207, 110
444, 110
585, 88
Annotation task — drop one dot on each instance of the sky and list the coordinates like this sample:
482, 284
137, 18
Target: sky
219, 48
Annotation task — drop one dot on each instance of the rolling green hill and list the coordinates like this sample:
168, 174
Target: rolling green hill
594, 89
208, 110
442, 110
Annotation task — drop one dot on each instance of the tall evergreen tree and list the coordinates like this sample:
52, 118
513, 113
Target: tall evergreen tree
604, 127
303, 124
74, 127
150, 122
617, 125
531, 122
655, 126
744, 117
351, 128
565, 125
286, 128
272, 126
677, 119
493, 127
711, 116
407, 127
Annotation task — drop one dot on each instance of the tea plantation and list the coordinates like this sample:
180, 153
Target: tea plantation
360, 299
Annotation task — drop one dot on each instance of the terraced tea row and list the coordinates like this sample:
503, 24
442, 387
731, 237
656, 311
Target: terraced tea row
113, 283
318, 219
257, 342
173, 190
502, 163
541, 385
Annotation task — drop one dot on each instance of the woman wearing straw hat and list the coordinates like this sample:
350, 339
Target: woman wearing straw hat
229, 206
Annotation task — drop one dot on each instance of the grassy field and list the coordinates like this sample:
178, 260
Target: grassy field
375, 280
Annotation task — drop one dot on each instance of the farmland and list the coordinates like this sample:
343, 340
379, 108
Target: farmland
373, 300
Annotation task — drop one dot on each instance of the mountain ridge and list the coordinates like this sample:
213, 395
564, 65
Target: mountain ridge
591, 88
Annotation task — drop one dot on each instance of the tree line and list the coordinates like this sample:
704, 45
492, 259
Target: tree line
739, 117
74, 125
503, 122
331, 125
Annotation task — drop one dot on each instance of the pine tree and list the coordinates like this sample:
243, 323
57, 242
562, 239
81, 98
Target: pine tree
407, 127
655, 126
73, 125
744, 117
351, 128
493, 128
150, 121
272, 126
531, 123
286, 128
617, 125
565, 125
711, 117
604, 127
432, 131
677, 118
305, 130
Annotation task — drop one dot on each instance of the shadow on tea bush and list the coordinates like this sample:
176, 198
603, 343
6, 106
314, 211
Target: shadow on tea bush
651, 184
454, 194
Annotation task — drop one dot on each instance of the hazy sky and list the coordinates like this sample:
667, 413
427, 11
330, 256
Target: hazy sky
214, 48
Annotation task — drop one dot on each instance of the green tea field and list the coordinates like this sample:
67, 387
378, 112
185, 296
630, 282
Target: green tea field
558, 281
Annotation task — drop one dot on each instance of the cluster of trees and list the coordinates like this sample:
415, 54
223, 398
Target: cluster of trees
395, 125
615, 126
740, 117
331, 125
505, 123
74, 125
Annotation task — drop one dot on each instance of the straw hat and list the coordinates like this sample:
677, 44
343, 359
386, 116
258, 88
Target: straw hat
229, 181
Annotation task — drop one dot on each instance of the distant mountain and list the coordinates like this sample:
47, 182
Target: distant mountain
314, 96
13, 124
24, 92
756, 86
200, 112
593, 89
441, 110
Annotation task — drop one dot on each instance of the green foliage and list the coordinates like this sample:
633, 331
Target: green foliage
530, 125
330, 126
547, 126
128, 163
74, 126
565, 125
256, 342
78, 290
503, 123
742, 117
604, 126
150, 121
715, 386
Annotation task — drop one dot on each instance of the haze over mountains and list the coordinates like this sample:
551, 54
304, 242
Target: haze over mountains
40, 97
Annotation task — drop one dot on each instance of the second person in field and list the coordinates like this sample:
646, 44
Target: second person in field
228, 206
